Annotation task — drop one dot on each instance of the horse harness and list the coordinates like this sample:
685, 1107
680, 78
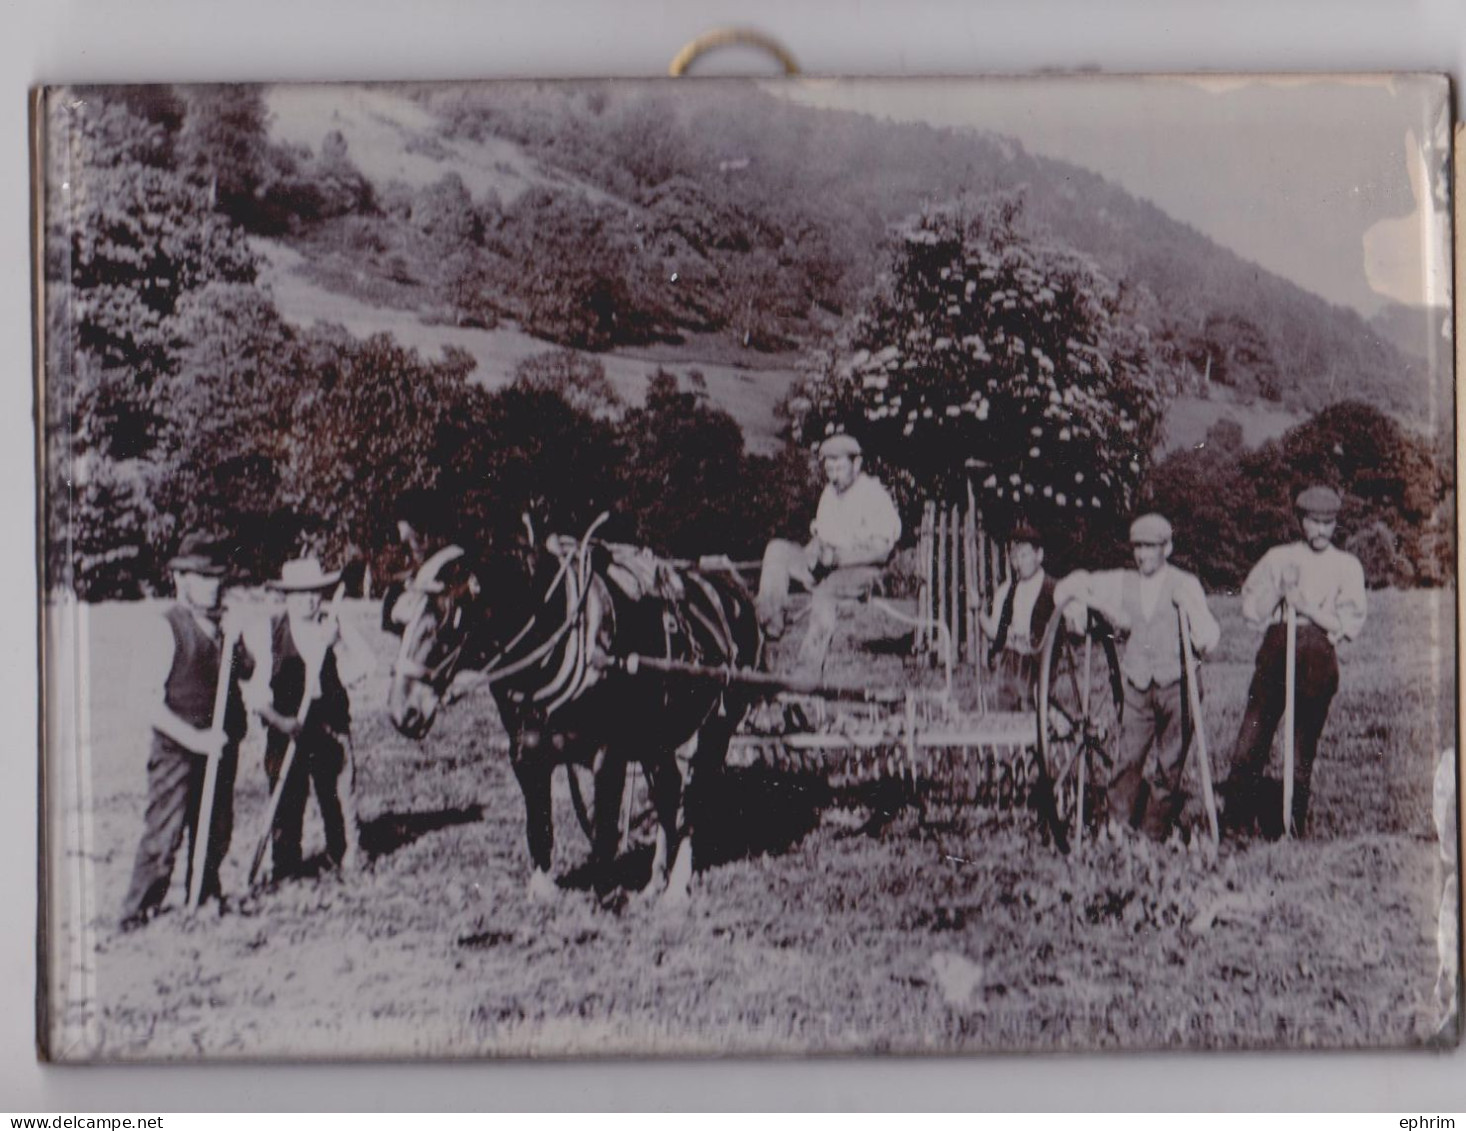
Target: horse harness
571, 657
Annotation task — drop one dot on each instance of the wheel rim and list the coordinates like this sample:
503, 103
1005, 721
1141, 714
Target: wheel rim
1080, 707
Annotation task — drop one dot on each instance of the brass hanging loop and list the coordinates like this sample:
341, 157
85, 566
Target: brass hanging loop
731, 37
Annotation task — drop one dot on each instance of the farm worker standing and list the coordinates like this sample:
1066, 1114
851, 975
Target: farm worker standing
1325, 585
854, 531
1015, 624
1143, 602
182, 688
308, 650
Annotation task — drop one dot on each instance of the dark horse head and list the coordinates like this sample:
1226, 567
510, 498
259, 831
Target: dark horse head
441, 616
554, 632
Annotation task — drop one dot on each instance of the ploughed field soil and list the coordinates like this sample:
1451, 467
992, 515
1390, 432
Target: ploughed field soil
828, 915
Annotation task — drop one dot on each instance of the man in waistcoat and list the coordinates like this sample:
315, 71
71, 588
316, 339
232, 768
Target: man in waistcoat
854, 531
1325, 587
1015, 624
181, 690
1144, 602
306, 654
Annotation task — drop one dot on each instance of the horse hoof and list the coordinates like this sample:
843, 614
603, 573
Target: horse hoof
674, 900
542, 887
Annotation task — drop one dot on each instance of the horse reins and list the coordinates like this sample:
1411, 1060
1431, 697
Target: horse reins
443, 671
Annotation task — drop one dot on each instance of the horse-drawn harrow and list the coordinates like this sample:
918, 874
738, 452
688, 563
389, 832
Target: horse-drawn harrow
940, 741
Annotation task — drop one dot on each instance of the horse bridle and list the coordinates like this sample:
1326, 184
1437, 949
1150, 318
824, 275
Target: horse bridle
440, 675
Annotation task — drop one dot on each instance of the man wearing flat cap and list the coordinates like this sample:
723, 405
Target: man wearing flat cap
181, 689
1143, 603
1014, 626
307, 658
854, 531
1325, 587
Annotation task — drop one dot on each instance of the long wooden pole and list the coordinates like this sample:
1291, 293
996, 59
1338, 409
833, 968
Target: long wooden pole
1289, 713
204, 825
941, 603
924, 610
955, 609
974, 596
1198, 727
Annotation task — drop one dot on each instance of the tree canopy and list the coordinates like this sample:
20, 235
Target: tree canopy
993, 353
1231, 503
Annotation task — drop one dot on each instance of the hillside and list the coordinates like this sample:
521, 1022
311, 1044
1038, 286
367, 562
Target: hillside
617, 218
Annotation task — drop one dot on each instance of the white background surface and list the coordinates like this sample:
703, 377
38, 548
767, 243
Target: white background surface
207, 40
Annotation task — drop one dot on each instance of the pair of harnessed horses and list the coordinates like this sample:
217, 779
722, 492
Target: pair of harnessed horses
549, 628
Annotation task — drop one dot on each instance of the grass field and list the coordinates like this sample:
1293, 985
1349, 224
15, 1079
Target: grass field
812, 928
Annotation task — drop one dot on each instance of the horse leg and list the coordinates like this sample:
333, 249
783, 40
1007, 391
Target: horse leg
532, 769
610, 784
679, 875
664, 779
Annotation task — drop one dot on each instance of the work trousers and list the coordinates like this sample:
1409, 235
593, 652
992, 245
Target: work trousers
322, 760
175, 785
784, 564
1154, 739
1316, 679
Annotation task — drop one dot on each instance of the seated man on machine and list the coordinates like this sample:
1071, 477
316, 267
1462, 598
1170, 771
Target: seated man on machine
854, 531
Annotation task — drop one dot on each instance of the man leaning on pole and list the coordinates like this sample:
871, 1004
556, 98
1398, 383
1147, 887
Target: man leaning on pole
194, 745
1156, 732
1321, 589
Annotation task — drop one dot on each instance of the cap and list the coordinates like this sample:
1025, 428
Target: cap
305, 576
1320, 502
840, 444
201, 554
1025, 533
1150, 530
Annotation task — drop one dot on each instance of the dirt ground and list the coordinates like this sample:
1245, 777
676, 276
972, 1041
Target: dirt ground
827, 917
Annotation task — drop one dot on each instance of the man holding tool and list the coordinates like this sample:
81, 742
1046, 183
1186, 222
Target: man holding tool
1312, 592
1156, 731
307, 658
197, 720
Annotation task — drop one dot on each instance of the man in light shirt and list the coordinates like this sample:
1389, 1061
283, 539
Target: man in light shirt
308, 653
1144, 603
1325, 586
1015, 624
854, 531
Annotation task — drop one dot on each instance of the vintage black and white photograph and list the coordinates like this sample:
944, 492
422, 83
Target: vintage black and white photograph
758, 567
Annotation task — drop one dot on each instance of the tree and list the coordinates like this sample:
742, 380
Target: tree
129, 237
1231, 504
994, 352
223, 143
578, 380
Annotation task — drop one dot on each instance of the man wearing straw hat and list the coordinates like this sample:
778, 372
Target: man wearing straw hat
1143, 602
1324, 586
184, 688
307, 657
1015, 624
854, 531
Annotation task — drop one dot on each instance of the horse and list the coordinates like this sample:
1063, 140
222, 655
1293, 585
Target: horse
557, 631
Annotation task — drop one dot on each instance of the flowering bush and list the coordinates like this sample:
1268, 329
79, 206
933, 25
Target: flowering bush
990, 353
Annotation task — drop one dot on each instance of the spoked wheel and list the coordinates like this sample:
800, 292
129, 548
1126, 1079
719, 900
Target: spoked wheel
1080, 702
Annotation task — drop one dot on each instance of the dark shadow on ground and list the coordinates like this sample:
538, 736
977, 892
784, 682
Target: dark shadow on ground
757, 811
902, 645
384, 835
751, 811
